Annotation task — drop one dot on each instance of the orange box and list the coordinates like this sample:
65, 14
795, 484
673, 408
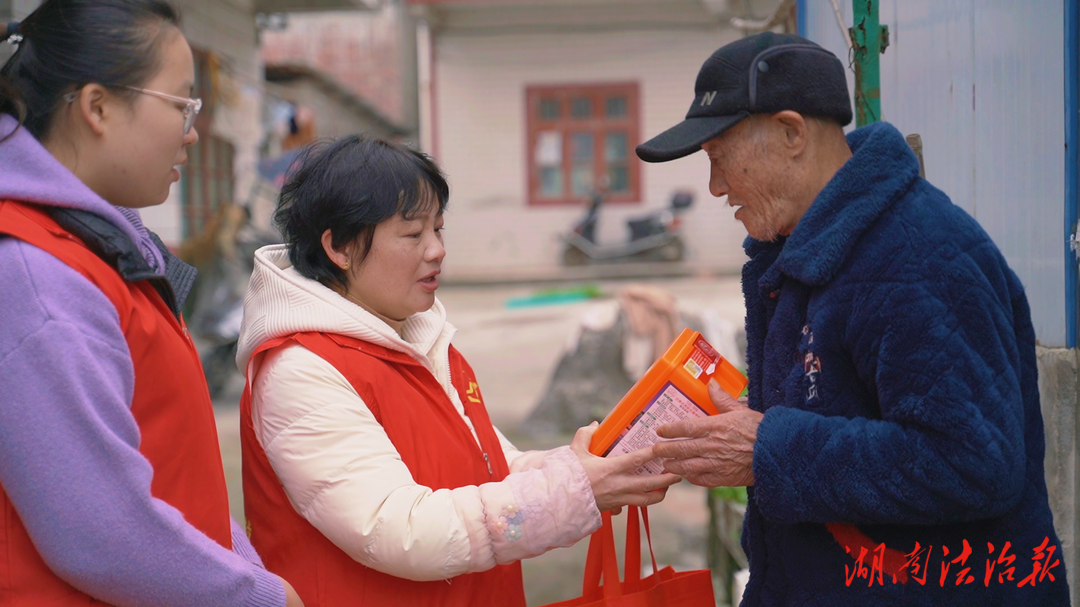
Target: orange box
675, 387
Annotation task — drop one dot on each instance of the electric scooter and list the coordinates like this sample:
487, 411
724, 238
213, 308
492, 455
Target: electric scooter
653, 237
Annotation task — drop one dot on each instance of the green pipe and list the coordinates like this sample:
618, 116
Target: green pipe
868, 40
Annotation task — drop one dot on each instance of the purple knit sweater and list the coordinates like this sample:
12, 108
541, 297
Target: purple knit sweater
69, 458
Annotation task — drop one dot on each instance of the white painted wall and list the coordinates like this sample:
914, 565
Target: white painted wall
164, 219
480, 103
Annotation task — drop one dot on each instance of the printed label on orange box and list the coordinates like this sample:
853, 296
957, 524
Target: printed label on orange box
703, 359
674, 388
671, 405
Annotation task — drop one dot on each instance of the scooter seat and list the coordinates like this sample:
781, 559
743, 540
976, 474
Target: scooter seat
644, 227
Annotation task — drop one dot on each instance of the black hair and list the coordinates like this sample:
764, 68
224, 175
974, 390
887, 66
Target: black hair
349, 186
66, 44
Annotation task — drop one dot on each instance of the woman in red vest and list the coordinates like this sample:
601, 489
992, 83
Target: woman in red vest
111, 484
372, 473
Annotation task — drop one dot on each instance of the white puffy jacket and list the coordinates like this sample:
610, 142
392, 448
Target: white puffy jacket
357, 491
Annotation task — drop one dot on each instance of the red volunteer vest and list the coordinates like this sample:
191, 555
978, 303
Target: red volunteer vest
434, 443
171, 405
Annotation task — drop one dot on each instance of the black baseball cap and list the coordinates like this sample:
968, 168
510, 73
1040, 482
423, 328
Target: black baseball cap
760, 74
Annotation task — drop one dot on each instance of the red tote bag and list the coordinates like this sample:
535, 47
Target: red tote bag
664, 588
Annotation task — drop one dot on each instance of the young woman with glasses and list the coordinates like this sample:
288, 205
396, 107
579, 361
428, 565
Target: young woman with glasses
111, 483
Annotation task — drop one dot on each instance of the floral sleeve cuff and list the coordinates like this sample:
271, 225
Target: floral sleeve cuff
537, 510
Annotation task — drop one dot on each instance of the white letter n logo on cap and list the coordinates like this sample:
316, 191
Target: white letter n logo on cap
708, 97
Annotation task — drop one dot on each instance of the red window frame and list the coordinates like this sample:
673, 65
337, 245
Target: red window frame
599, 124
208, 175
208, 182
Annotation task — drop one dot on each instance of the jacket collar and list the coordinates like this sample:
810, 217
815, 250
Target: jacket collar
112, 245
882, 168
281, 302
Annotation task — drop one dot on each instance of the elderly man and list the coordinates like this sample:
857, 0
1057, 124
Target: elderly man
893, 444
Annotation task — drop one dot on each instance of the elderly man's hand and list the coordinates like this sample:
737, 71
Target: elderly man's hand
714, 451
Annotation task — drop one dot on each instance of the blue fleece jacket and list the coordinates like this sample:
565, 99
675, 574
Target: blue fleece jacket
69, 458
891, 350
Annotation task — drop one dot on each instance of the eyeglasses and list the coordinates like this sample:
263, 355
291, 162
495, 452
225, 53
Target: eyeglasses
191, 106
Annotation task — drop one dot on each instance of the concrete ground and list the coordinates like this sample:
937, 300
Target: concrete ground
513, 352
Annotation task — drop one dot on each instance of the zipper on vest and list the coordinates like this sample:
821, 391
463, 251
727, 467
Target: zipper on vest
450, 382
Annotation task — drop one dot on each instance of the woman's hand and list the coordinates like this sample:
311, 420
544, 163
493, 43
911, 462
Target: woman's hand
612, 483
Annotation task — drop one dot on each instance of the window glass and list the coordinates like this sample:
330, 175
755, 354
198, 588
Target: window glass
551, 185
616, 148
581, 155
581, 145
616, 154
549, 109
548, 158
618, 179
581, 107
616, 106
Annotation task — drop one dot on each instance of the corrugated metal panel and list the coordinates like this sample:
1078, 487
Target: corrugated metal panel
983, 83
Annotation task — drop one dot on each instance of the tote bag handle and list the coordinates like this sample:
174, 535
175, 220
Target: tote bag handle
632, 566
601, 560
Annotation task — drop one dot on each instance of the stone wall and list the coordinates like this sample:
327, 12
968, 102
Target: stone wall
1059, 379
